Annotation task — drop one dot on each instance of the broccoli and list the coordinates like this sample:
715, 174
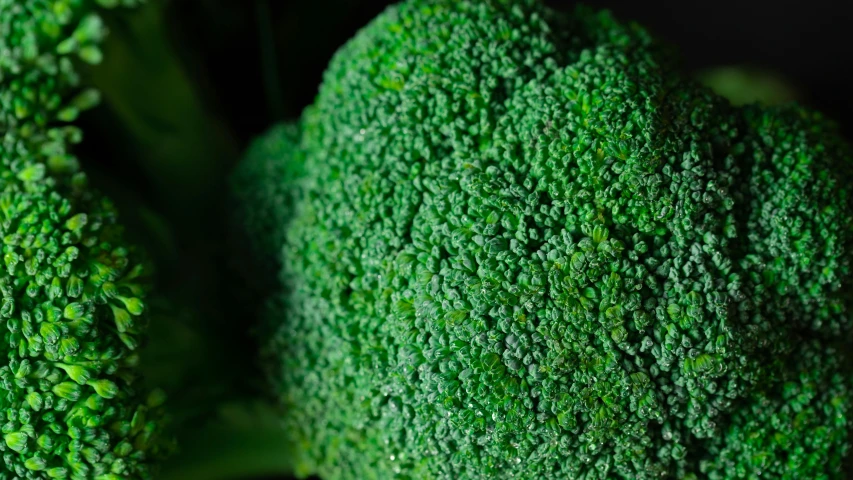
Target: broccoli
74, 285
744, 85
94, 343
517, 243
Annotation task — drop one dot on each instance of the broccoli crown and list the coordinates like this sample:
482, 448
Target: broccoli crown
520, 244
73, 288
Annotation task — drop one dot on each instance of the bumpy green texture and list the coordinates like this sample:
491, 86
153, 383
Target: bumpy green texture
73, 288
520, 244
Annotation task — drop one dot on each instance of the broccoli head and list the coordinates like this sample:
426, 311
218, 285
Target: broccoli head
74, 287
516, 243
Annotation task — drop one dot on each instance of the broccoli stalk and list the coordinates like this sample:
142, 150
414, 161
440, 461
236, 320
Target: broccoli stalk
505, 242
162, 113
168, 134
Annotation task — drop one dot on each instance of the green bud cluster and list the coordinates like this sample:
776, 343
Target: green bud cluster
520, 244
72, 288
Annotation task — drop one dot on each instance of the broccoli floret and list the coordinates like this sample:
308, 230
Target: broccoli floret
265, 207
743, 85
74, 287
520, 244
92, 348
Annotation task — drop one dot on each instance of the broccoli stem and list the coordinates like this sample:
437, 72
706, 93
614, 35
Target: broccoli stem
246, 443
201, 357
177, 141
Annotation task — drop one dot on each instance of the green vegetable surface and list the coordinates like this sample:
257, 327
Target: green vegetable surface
503, 242
514, 243
110, 365
74, 286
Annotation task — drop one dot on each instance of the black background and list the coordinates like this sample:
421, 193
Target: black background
260, 61
809, 43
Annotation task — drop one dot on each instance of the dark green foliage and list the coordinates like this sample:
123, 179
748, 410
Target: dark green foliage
524, 246
73, 287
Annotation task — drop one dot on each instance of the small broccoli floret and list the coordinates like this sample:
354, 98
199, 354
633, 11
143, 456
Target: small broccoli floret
742, 85
523, 245
74, 287
40, 40
265, 207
